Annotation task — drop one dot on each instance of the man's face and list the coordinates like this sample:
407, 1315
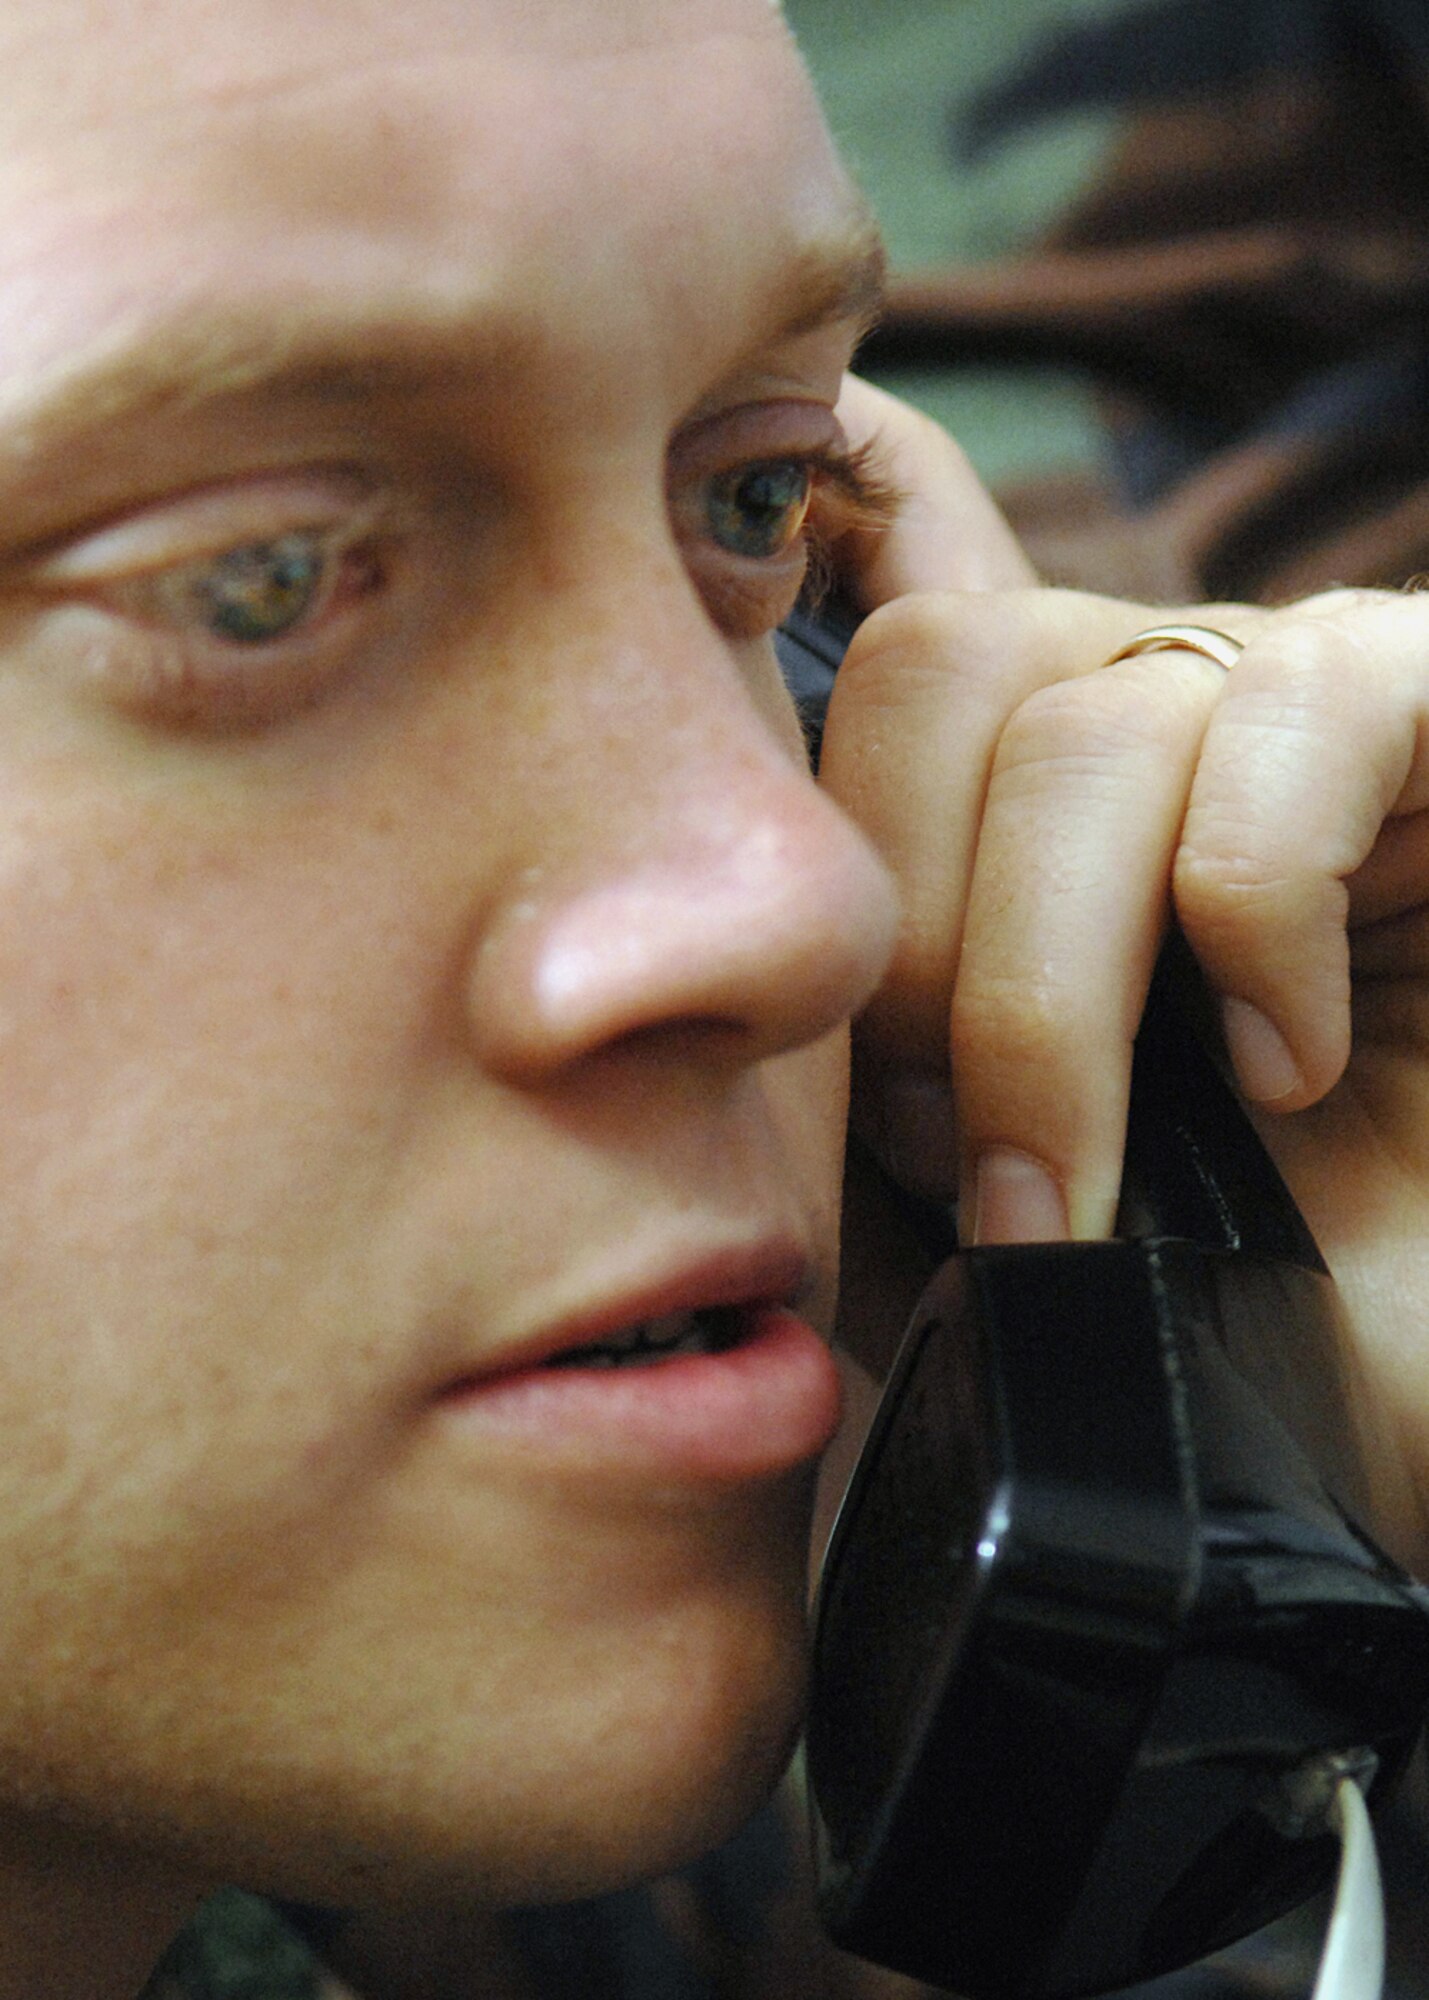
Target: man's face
421, 948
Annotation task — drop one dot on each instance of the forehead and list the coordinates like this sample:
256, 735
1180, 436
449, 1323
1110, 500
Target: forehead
252, 41
552, 155
78, 74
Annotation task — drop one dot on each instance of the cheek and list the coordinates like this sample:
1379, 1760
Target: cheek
809, 1090
152, 1016
759, 665
231, 1075
193, 1110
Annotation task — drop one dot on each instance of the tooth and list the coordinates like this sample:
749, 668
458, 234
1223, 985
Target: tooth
626, 1343
706, 1330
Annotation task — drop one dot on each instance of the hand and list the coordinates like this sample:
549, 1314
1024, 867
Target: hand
1045, 814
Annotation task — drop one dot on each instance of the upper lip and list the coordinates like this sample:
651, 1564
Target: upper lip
775, 1270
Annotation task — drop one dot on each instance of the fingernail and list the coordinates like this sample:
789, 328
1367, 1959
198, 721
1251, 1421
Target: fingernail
1264, 1066
1017, 1201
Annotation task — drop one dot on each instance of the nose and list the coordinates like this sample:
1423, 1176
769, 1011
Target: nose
700, 888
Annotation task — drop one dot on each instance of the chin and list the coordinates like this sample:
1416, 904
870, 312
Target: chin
624, 1811
631, 1747
697, 1787
685, 1743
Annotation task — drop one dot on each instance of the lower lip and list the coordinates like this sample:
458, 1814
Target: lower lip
750, 1412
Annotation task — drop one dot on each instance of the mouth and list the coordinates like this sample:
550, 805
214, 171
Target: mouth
711, 1377
704, 1330
701, 1307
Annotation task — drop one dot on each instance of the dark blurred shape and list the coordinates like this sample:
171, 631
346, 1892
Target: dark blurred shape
1247, 282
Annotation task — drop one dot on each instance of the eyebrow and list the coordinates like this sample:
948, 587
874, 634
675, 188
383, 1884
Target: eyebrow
330, 350
842, 280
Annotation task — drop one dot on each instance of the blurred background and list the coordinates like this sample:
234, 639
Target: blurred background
901, 81
1165, 272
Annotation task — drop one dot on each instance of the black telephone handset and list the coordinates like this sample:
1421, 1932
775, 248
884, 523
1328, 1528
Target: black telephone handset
1097, 1632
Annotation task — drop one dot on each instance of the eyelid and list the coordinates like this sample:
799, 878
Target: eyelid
851, 489
212, 520
747, 594
789, 428
106, 627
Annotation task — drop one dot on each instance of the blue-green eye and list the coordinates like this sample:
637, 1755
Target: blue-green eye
254, 594
758, 510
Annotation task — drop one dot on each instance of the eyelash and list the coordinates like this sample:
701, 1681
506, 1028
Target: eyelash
844, 483
866, 499
153, 657
185, 670
748, 591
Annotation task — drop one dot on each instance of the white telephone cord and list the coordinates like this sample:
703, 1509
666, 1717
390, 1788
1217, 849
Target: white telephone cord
1352, 1963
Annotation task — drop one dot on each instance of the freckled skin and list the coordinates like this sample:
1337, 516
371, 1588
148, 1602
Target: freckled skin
289, 1134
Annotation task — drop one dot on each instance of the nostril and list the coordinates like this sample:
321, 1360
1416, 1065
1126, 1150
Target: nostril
724, 905
700, 953
706, 1038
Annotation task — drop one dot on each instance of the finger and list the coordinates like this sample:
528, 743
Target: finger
1315, 745
917, 714
1067, 906
946, 533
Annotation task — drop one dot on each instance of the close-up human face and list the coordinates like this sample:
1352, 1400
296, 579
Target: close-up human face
424, 954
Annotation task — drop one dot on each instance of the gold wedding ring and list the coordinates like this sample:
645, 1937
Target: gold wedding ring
1202, 639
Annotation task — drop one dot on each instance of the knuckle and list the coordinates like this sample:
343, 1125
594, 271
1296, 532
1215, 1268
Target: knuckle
940, 639
1092, 719
919, 625
1344, 600
1309, 661
1302, 651
1246, 887
1232, 884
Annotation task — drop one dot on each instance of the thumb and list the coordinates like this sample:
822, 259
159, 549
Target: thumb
945, 531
